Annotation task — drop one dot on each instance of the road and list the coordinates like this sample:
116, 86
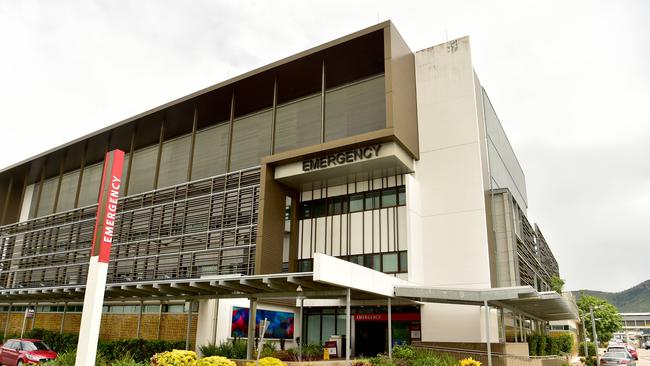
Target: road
644, 357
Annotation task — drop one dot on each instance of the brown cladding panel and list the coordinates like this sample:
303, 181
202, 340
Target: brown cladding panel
401, 108
270, 230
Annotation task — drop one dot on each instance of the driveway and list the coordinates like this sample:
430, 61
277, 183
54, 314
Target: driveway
644, 357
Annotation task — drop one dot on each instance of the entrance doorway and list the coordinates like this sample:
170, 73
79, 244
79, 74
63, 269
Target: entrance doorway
370, 338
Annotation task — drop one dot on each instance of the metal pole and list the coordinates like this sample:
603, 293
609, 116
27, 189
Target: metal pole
65, 310
584, 337
348, 348
216, 319
22, 329
487, 332
252, 310
302, 330
139, 331
159, 319
593, 327
34, 316
390, 329
189, 325
7, 322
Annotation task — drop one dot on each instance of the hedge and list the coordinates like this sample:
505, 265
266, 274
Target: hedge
544, 345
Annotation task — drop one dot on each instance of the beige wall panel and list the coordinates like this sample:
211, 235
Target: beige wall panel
356, 235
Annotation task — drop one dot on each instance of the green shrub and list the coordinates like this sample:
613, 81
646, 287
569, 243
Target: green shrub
533, 343
312, 352
426, 360
68, 359
382, 360
565, 342
60, 342
235, 349
404, 352
591, 348
541, 345
268, 349
140, 349
127, 360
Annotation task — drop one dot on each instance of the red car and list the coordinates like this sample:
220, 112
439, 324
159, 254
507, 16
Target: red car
25, 352
633, 352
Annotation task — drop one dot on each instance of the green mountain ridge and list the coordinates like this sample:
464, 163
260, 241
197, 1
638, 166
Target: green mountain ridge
633, 300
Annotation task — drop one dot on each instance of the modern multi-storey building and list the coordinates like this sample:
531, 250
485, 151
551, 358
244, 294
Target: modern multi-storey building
357, 169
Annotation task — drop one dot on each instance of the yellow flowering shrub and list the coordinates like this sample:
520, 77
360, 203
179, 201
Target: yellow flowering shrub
268, 361
469, 362
215, 361
175, 358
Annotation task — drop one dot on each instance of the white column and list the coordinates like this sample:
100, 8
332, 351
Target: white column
487, 332
390, 329
65, 310
92, 312
348, 349
252, 310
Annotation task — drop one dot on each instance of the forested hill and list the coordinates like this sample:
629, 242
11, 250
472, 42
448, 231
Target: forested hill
632, 300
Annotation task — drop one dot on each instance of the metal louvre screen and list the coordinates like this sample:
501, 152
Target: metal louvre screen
355, 109
143, 170
207, 227
210, 151
298, 124
68, 191
174, 161
251, 140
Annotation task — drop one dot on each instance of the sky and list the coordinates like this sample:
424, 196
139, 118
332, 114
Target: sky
570, 81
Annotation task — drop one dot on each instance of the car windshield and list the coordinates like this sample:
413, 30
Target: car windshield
35, 346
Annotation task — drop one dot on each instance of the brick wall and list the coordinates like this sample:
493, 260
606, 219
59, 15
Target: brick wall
113, 326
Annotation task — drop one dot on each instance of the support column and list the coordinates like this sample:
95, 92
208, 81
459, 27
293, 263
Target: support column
216, 320
139, 331
302, 330
390, 329
487, 332
159, 319
34, 316
9, 318
503, 324
65, 310
348, 349
250, 343
189, 325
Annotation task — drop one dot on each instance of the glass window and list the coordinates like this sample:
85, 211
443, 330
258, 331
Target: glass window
372, 261
357, 259
305, 210
401, 195
403, 262
143, 170
335, 206
210, 151
389, 197
319, 208
177, 308
174, 161
251, 140
372, 200
305, 265
298, 124
356, 202
355, 109
313, 329
48, 194
390, 263
68, 191
329, 325
341, 329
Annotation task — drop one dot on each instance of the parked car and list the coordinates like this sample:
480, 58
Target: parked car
25, 351
624, 348
617, 358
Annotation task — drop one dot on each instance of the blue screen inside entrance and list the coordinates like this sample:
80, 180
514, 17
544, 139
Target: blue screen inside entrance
280, 323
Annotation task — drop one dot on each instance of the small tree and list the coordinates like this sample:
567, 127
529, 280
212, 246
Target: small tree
608, 319
557, 284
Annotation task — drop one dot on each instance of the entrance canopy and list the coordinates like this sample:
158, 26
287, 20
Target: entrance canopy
331, 278
546, 306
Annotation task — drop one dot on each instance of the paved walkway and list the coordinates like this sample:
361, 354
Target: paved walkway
644, 357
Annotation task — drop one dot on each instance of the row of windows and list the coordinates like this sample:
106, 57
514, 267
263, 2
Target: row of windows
353, 109
121, 309
356, 202
394, 262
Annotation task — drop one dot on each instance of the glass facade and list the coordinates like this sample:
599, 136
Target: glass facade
143, 170
174, 161
298, 124
68, 191
210, 151
251, 140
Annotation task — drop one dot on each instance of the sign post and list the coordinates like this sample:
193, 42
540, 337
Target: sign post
99, 256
